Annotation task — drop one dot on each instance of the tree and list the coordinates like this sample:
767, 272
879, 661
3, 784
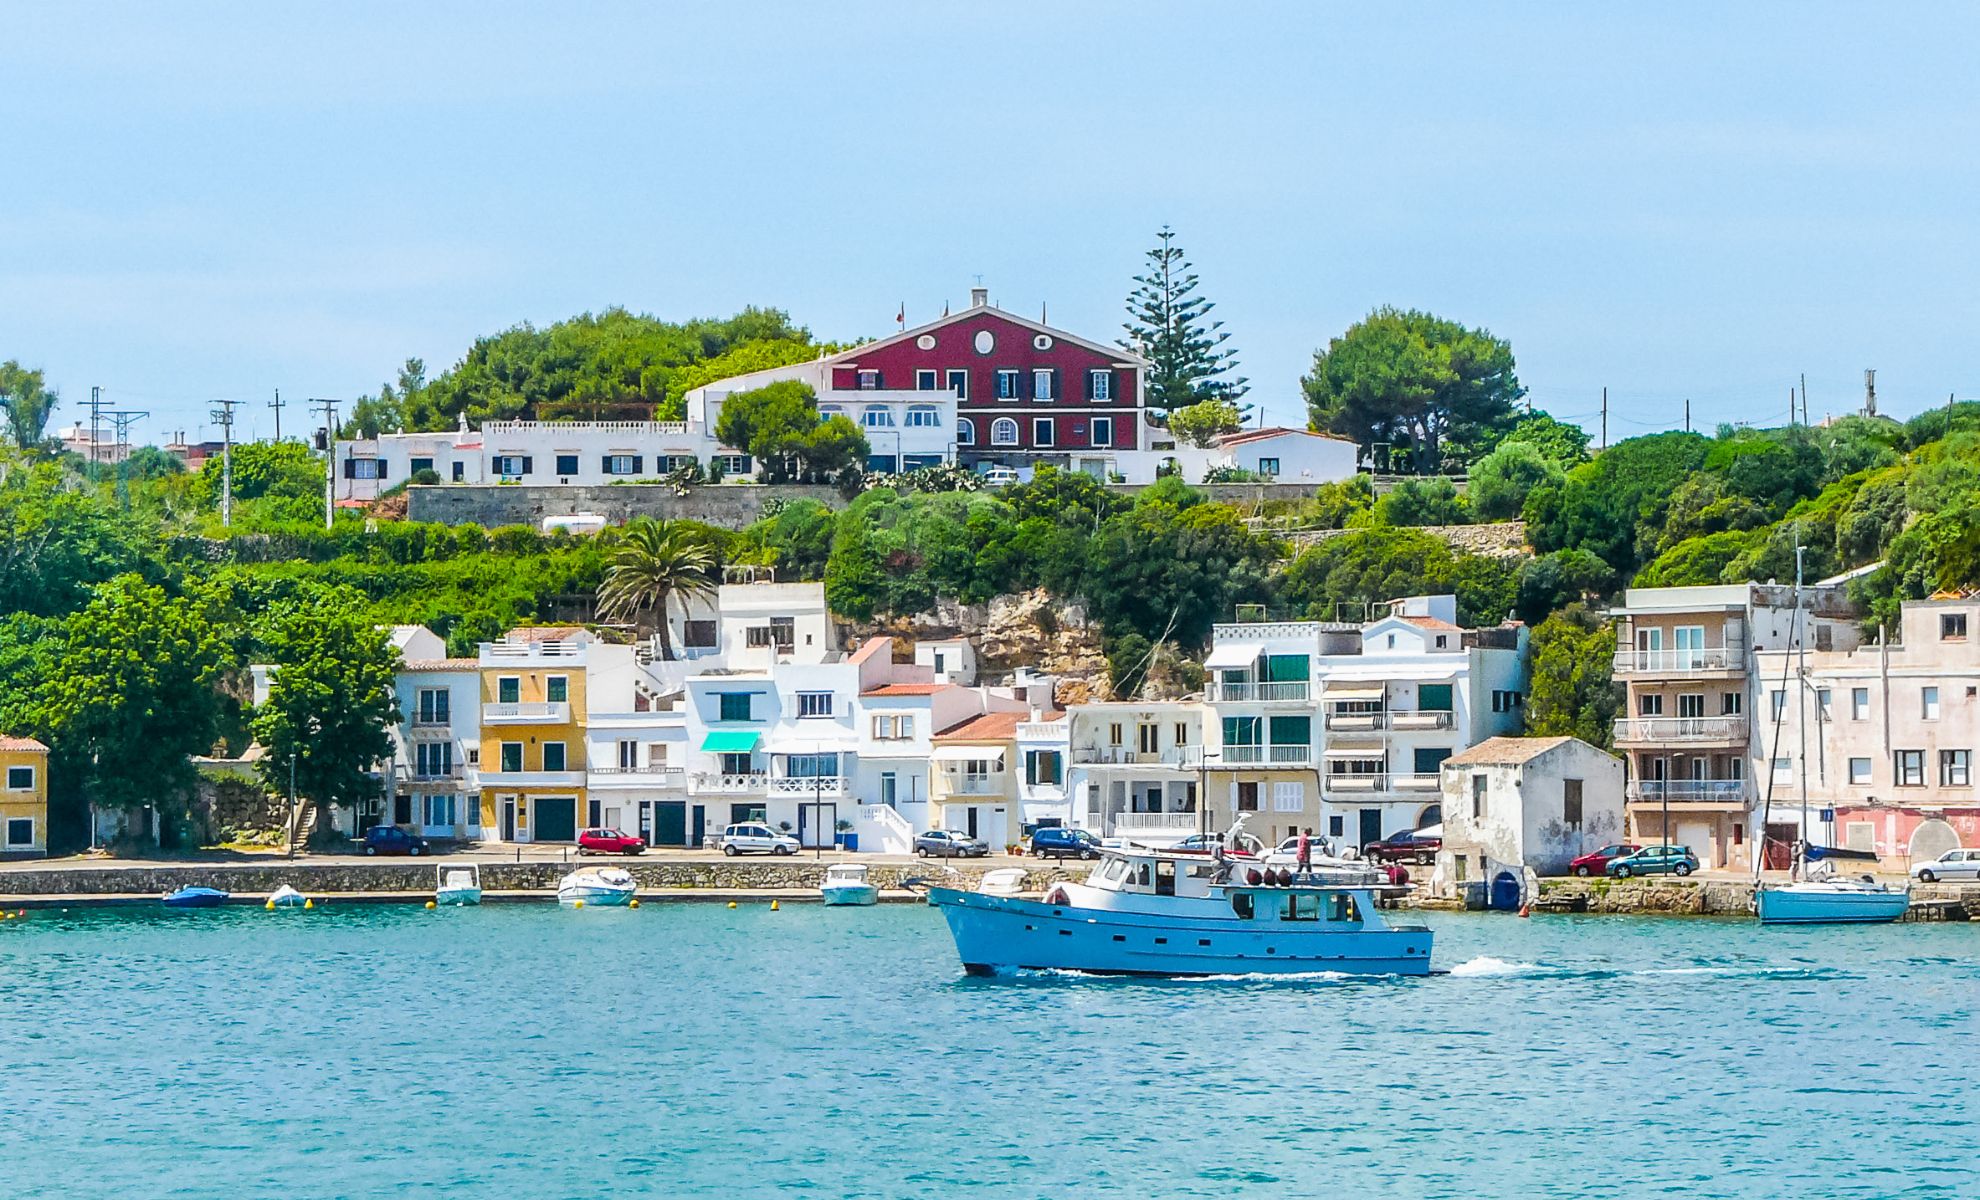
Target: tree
331, 702
1573, 693
286, 469
1553, 581
27, 401
1173, 564
134, 695
1169, 325
1337, 579
1603, 505
1500, 481
1559, 442
657, 561
778, 425
1202, 423
1417, 382
1423, 502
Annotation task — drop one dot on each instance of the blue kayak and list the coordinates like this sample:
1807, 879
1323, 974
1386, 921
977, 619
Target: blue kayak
195, 897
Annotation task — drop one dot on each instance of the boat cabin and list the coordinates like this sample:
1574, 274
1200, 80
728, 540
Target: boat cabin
1253, 893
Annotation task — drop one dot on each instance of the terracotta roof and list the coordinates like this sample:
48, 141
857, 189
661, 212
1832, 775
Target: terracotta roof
869, 648
1271, 431
21, 743
996, 726
1506, 751
907, 689
541, 633
1432, 623
442, 664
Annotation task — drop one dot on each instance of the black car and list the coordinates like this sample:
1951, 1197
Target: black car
390, 839
1064, 843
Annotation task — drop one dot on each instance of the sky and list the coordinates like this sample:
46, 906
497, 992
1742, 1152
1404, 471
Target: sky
1676, 202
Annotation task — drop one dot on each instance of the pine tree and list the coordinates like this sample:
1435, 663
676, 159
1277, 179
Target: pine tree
1169, 325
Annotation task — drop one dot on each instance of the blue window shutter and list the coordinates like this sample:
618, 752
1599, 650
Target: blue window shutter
528, 464
639, 464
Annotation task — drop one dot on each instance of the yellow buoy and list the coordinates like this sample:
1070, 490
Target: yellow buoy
773, 906
577, 904
732, 904
270, 906
429, 904
308, 903
634, 904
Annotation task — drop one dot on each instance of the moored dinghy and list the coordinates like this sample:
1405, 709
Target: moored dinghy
847, 884
286, 897
195, 897
603, 887
460, 883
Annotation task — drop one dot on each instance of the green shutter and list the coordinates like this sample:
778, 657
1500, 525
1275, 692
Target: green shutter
1433, 697
1287, 668
1292, 731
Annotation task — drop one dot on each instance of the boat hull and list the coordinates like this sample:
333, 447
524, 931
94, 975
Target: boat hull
1001, 933
849, 894
457, 896
1792, 906
196, 898
595, 897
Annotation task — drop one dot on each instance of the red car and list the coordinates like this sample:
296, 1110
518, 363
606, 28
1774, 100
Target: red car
1596, 863
609, 841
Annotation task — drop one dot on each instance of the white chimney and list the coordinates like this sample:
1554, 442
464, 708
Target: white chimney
979, 297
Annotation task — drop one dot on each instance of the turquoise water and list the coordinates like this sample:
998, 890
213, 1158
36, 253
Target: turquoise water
689, 1050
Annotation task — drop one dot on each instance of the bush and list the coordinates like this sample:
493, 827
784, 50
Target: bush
1501, 480
1423, 502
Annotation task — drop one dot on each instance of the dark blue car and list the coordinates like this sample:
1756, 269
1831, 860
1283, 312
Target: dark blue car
1064, 843
390, 839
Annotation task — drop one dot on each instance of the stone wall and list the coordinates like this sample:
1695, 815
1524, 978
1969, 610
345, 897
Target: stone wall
413, 876
730, 506
1666, 896
1497, 539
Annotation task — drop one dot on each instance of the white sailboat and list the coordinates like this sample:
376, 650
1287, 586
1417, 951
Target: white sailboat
1815, 893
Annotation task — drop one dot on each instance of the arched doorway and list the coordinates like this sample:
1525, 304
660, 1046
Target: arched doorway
1505, 892
1432, 814
1931, 839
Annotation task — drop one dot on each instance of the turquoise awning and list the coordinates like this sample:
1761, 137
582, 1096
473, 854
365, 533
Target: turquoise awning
731, 741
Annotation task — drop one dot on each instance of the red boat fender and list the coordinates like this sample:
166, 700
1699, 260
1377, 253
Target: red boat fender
1251, 876
1057, 895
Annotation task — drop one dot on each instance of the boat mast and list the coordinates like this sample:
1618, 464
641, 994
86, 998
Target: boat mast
1800, 624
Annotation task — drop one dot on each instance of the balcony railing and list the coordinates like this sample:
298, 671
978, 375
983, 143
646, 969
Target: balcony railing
651, 776
1370, 784
808, 785
1688, 791
1239, 756
1357, 722
1258, 693
958, 784
1421, 719
511, 651
1130, 823
429, 720
1041, 731
732, 785
552, 712
1691, 661
1127, 756
1680, 729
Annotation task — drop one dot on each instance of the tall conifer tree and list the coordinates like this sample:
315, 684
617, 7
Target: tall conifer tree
1170, 325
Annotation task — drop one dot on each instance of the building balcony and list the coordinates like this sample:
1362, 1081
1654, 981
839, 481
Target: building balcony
664, 778
955, 783
521, 653
1260, 756
803, 786
1700, 661
1659, 731
1176, 758
533, 712
1288, 691
1356, 722
532, 779
1421, 719
1718, 792
1381, 785
708, 783
1131, 824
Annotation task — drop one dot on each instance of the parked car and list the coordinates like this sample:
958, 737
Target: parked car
944, 843
1204, 843
609, 841
1654, 860
1286, 853
1598, 862
1953, 864
1000, 476
1064, 843
1408, 844
755, 838
390, 839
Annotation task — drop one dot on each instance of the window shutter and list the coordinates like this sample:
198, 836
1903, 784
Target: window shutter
1058, 392
381, 468
1113, 385
639, 464
605, 464
350, 468
528, 464
1021, 386
1089, 385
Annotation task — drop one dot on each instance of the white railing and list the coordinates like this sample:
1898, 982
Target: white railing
556, 712
1264, 631
808, 785
1415, 783
1162, 822
896, 835
1290, 755
1731, 791
527, 650
565, 427
1681, 662
1128, 756
665, 777
1420, 719
973, 785
1245, 755
1041, 731
1258, 693
1681, 729
732, 785
1357, 722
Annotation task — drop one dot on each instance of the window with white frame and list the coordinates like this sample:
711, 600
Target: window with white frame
20, 831
433, 760
1859, 704
511, 466
830, 410
878, 416
1288, 797
365, 468
1825, 704
20, 779
1007, 385
1783, 770
1910, 768
893, 727
814, 704
1777, 704
924, 416
959, 383
1103, 431
1955, 768
1004, 432
1859, 772
622, 464
1041, 384
925, 381
1041, 431
869, 381
965, 431
439, 810
1100, 385
1268, 466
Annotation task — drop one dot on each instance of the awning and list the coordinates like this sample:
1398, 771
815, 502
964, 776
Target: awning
1400, 672
1356, 755
967, 754
731, 741
803, 746
1354, 691
1231, 658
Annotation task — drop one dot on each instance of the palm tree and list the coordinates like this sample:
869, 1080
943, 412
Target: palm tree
655, 560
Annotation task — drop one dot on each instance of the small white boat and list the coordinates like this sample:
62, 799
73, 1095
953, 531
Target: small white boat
1004, 881
600, 887
846, 883
286, 897
460, 883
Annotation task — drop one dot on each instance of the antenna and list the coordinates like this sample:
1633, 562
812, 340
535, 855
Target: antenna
225, 416
1869, 393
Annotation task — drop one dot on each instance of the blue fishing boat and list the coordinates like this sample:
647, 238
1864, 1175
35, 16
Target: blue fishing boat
195, 897
1165, 912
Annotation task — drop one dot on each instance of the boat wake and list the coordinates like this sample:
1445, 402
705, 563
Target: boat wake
1485, 964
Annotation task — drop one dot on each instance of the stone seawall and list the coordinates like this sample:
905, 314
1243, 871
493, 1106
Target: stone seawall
416, 877
1670, 897
730, 506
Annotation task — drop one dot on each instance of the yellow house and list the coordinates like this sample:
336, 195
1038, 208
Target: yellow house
532, 767
23, 797
973, 783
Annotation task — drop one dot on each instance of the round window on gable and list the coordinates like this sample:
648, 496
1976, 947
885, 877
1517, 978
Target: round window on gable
985, 341
926, 341
1042, 341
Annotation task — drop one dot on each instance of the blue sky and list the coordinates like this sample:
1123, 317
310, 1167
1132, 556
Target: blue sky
1699, 201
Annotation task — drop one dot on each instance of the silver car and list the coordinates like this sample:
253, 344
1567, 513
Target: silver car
943, 843
1953, 864
754, 838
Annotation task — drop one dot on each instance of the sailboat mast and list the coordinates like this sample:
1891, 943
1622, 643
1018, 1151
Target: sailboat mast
1800, 624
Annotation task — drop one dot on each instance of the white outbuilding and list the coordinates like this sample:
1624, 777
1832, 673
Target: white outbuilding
1520, 807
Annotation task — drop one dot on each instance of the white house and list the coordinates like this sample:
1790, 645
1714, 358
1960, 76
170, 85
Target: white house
1043, 746
1290, 455
434, 784
635, 756
368, 467
588, 452
1136, 768
1521, 807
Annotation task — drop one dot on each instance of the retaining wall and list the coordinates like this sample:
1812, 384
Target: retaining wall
730, 506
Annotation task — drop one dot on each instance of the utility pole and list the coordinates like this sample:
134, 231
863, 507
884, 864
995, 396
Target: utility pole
225, 415
122, 420
1605, 418
329, 461
277, 405
1869, 393
1687, 414
95, 412
1804, 397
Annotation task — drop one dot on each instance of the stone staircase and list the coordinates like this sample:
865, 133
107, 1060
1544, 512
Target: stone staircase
302, 823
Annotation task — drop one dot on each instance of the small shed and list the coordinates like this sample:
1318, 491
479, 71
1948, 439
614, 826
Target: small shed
1519, 807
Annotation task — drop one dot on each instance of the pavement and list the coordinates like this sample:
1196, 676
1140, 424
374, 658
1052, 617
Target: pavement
466, 853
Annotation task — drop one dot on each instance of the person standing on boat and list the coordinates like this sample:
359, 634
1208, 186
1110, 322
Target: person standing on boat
1305, 851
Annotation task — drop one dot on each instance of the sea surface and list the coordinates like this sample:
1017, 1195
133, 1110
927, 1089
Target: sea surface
692, 1050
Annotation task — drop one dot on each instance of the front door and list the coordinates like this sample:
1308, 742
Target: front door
700, 825
969, 819
816, 823
1371, 825
669, 824
508, 804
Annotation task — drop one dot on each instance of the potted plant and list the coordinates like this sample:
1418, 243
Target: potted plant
848, 840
